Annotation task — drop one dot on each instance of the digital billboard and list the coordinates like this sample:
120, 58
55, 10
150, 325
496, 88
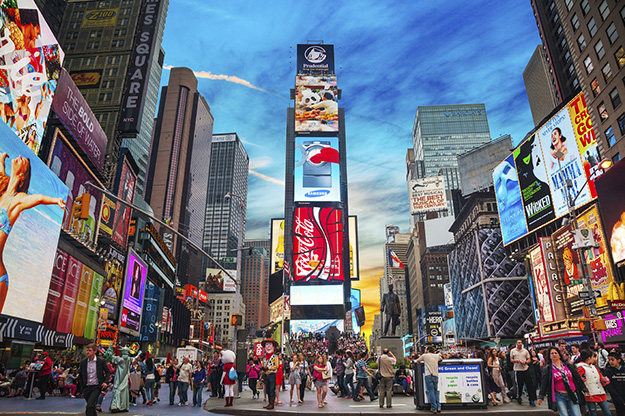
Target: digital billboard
509, 202
75, 174
127, 181
32, 62
318, 244
151, 313
277, 245
132, 302
570, 269
112, 285
316, 103
70, 293
316, 175
32, 198
534, 184
427, 195
612, 206
317, 295
311, 326
544, 303
218, 281
354, 253
315, 59
93, 308
355, 300
82, 301
55, 290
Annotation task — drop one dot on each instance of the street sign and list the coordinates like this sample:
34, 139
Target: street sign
592, 301
228, 260
584, 294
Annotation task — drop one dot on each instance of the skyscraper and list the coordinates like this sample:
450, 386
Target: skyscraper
255, 287
228, 172
177, 180
540, 86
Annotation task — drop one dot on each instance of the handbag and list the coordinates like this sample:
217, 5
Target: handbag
325, 374
232, 374
378, 375
569, 391
260, 384
309, 383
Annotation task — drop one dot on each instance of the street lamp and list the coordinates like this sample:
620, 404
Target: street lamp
241, 204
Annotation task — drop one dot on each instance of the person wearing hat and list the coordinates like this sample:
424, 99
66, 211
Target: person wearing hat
44, 374
271, 363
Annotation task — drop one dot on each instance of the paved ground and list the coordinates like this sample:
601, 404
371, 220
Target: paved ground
245, 405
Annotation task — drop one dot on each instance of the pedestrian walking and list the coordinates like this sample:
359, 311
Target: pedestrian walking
184, 378
199, 379
361, 376
253, 374
295, 379
560, 383
594, 381
521, 359
494, 364
430, 360
171, 378
94, 375
616, 373
321, 375
304, 375
151, 374
215, 374
350, 365
602, 356
385, 366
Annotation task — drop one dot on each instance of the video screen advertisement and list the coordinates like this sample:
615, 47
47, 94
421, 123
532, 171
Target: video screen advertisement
355, 300
354, 253
32, 201
612, 207
509, 202
311, 326
126, 183
315, 59
318, 245
277, 245
134, 287
316, 175
316, 103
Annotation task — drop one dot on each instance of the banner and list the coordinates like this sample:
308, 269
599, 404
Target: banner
126, 191
132, 303
509, 201
109, 208
427, 195
70, 292
315, 60
31, 228
586, 140
151, 313
82, 301
53, 304
316, 175
316, 103
570, 269
94, 307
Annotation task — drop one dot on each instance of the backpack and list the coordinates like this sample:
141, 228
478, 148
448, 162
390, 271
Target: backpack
232, 374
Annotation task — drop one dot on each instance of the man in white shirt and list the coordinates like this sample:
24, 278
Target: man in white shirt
184, 378
521, 359
385, 366
430, 361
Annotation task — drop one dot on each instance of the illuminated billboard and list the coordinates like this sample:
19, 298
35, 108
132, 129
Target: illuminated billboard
311, 326
509, 202
570, 269
315, 59
355, 300
31, 215
316, 103
277, 245
354, 265
218, 281
318, 244
127, 180
317, 295
609, 190
134, 287
316, 175
427, 195
32, 61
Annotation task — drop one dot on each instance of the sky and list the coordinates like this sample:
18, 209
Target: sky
391, 57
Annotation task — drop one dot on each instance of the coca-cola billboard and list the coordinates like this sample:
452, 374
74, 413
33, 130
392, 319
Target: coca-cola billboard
318, 244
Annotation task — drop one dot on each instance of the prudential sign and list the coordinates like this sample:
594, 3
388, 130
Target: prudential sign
315, 59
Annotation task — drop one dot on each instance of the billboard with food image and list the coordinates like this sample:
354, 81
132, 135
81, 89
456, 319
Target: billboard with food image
316, 103
218, 281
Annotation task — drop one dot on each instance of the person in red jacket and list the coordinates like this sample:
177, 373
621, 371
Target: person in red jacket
228, 358
44, 375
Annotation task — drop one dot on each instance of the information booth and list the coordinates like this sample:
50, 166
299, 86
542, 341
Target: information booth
461, 384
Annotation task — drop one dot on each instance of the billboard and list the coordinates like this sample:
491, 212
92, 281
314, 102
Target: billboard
31, 213
317, 295
318, 244
315, 60
311, 326
570, 269
534, 184
218, 281
32, 60
509, 202
82, 301
87, 79
432, 326
544, 303
427, 195
75, 174
100, 18
151, 313
112, 285
459, 383
132, 302
55, 291
277, 245
126, 191
316, 175
557, 137
612, 206
93, 309
354, 265
316, 103
70, 293
75, 114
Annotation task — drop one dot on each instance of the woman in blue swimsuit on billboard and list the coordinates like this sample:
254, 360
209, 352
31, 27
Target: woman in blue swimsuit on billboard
14, 199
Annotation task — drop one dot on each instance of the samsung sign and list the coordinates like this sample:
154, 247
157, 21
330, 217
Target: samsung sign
139, 68
315, 59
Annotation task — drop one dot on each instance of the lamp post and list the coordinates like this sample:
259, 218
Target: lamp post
227, 198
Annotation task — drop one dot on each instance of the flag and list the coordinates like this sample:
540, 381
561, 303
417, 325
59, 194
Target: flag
394, 260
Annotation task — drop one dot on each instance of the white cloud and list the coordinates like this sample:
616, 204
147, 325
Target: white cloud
229, 78
266, 178
260, 162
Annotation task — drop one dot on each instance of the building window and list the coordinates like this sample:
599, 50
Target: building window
609, 136
596, 89
615, 98
122, 22
581, 42
120, 32
621, 123
588, 64
117, 43
556, 17
623, 14
78, 15
592, 27
571, 69
567, 56
104, 4
575, 22
563, 44
103, 118
616, 158
106, 96
604, 10
585, 7
603, 111
599, 49
111, 72
569, 5
612, 33
88, 61
95, 33
71, 46
93, 45
113, 60
620, 57
607, 73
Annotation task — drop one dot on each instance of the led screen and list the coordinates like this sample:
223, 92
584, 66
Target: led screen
609, 190
509, 202
355, 300
315, 59
130, 318
277, 245
354, 253
316, 173
316, 103
317, 295
318, 244
29, 234
315, 325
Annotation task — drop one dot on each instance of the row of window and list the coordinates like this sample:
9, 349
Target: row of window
104, 4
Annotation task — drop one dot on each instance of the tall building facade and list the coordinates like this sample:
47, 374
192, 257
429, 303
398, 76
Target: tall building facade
177, 181
221, 308
540, 86
395, 260
584, 44
228, 173
98, 38
255, 287
53, 10
476, 166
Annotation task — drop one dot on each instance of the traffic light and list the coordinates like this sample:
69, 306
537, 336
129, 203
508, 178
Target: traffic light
236, 320
585, 326
449, 314
80, 209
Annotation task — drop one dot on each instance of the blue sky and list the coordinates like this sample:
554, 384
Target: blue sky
391, 57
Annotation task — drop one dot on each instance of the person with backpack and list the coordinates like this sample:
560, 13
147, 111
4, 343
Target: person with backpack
602, 356
229, 376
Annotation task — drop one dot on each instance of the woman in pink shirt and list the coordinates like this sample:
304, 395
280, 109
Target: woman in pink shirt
560, 382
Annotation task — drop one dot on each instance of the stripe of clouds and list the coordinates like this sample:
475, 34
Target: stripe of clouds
222, 77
